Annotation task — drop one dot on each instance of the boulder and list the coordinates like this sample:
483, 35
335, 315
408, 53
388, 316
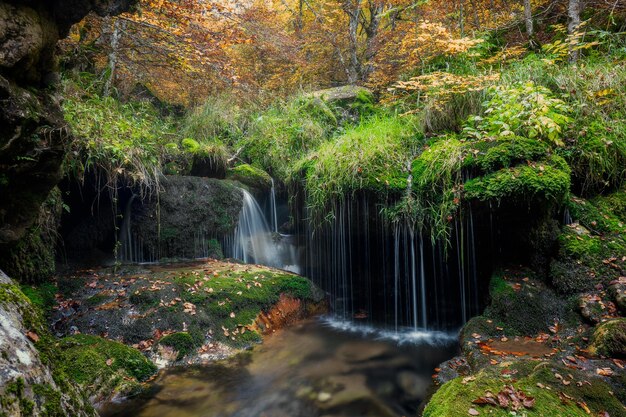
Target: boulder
27, 379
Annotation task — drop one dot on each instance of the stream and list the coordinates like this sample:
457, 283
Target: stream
319, 367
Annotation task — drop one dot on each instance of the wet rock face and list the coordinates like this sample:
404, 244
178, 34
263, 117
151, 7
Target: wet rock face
191, 211
32, 130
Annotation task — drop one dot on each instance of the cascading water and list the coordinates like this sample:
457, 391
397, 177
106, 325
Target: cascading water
273, 208
391, 274
254, 242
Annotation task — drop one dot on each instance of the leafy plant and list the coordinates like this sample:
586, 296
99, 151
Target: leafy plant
526, 110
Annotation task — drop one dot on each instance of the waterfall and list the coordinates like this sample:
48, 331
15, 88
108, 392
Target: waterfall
254, 242
273, 208
130, 246
392, 274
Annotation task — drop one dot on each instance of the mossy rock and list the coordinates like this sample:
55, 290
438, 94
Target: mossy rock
544, 181
492, 155
104, 367
536, 379
514, 301
251, 176
31, 259
597, 215
586, 259
609, 339
181, 342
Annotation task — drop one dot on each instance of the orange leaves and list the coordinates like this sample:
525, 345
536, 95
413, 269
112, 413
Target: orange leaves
507, 398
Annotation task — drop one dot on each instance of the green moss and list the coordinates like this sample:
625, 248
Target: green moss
598, 156
286, 132
251, 176
42, 296
597, 219
84, 359
436, 180
609, 339
371, 158
52, 406
181, 342
489, 156
454, 398
543, 181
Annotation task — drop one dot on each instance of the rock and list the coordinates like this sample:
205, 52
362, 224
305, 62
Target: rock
617, 290
346, 93
190, 209
412, 385
357, 352
591, 307
323, 397
609, 339
27, 386
33, 134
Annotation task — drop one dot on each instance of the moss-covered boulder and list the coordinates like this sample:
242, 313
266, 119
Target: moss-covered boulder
186, 221
196, 311
542, 181
609, 339
251, 176
31, 381
591, 250
541, 381
104, 369
32, 257
518, 295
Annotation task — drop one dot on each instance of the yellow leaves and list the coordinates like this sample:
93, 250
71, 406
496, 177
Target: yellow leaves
603, 97
442, 86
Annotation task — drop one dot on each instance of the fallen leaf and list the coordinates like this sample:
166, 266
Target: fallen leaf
473, 412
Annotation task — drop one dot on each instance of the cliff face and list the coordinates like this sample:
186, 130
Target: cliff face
32, 131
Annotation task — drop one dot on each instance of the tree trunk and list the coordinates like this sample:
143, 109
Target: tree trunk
371, 31
573, 12
353, 9
528, 19
115, 40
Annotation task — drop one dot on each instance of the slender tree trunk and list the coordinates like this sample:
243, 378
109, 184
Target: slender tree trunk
353, 10
115, 40
461, 18
528, 19
573, 12
371, 32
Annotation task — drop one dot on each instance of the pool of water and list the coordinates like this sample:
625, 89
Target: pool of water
317, 368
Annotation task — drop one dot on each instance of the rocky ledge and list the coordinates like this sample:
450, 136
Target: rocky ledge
112, 330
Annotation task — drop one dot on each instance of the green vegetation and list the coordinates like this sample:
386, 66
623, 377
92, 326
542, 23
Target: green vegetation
371, 157
542, 182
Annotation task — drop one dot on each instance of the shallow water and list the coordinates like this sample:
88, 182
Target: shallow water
318, 368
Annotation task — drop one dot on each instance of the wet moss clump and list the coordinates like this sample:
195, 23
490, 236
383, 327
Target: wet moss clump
104, 367
609, 339
372, 158
250, 176
181, 342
